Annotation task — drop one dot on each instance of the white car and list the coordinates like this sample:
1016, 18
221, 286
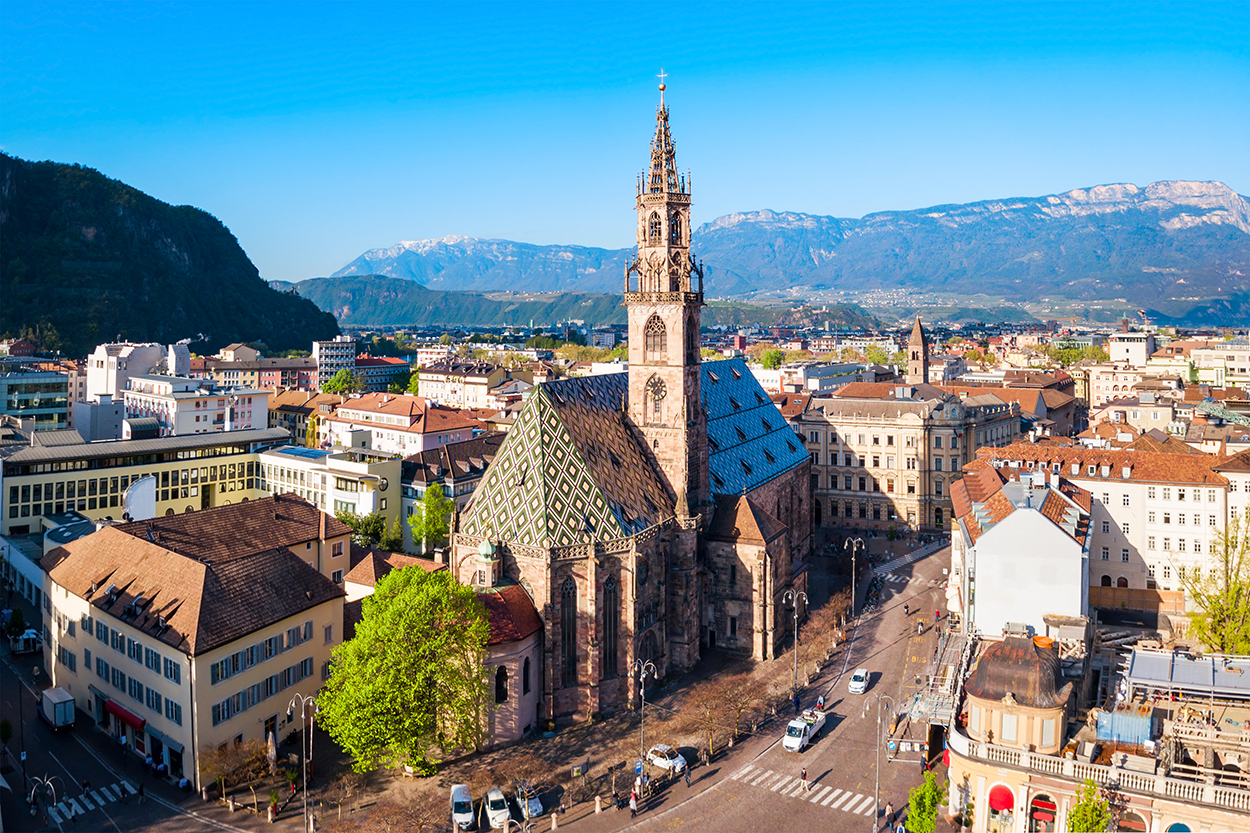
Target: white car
497, 809
461, 807
666, 757
859, 681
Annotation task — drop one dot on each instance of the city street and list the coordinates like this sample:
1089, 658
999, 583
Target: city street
757, 785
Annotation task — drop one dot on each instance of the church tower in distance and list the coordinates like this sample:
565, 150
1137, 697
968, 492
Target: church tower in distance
917, 356
664, 307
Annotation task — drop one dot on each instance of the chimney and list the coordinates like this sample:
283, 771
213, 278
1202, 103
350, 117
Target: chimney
321, 526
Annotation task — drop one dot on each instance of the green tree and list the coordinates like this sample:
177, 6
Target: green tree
371, 531
344, 382
311, 432
432, 522
710, 355
17, 622
1221, 594
444, 339
772, 359
1091, 811
922, 805
400, 381
412, 684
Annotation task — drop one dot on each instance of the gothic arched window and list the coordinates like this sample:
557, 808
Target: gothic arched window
568, 631
501, 685
692, 342
674, 229
611, 616
525, 677
656, 335
654, 228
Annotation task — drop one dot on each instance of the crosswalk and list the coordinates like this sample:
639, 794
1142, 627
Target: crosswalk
785, 784
915, 555
89, 800
895, 578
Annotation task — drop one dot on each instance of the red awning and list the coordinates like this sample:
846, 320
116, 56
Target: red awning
124, 715
1001, 798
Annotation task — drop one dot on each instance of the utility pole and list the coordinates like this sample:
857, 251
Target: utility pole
306, 726
643, 668
855, 544
791, 598
876, 795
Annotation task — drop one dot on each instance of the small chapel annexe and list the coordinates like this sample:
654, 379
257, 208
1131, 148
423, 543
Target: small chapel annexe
647, 515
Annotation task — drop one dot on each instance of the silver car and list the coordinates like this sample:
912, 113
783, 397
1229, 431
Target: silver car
666, 757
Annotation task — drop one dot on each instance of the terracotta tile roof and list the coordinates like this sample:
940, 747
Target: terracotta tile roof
979, 501
466, 459
423, 417
1056, 399
303, 401
1239, 463
511, 614
1150, 466
370, 566
1155, 440
191, 605
742, 519
1030, 400
380, 361
886, 390
240, 529
791, 404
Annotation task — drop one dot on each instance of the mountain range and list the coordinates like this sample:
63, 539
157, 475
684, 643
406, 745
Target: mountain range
85, 259
1170, 245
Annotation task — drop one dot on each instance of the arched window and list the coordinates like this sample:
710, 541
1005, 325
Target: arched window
1121, 582
525, 677
656, 335
1042, 813
654, 228
1106, 581
692, 342
611, 616
568, 631
674, 229
501, 685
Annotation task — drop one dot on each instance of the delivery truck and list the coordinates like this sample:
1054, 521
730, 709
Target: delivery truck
56, 706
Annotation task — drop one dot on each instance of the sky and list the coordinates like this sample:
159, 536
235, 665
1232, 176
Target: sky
317, 131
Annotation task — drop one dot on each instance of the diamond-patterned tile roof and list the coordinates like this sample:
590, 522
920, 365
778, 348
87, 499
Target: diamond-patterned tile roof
569, 468
749, 442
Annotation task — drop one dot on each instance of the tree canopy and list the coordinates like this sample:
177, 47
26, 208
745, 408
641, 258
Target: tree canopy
412, 684
344, 382
922, 804
432, 520
1091, 811
1221, 594
371, 531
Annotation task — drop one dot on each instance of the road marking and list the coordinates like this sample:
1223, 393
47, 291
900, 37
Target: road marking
818, 795
78, 810
785, 779
868, 800
845, 796
737, 775
110, 790
96, 795
795, 790
87, 802
830, 797
762, 777
129, 788
54, 815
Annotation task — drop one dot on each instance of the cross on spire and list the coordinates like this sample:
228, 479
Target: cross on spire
662, 76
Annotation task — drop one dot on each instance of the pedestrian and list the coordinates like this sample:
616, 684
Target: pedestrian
86, 785
906, 610
803, 775
937, 616
687, 776
889, 814
141, 798
919, 628
633, 804
796, 705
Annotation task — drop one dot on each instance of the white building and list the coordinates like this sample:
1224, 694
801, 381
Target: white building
1224, 365
1019, 550
182, 405
1133, 349
334, 355
399, 424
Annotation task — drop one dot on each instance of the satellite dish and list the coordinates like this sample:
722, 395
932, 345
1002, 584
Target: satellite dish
139, 502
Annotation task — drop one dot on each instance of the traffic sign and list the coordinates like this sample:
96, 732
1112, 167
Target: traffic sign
637, 767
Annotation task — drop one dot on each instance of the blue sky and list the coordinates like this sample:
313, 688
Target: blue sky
316, 131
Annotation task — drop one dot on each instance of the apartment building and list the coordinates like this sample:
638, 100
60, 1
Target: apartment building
334, 355
196, 471
379, 372
291, 409
296, 373
399, 424
1225, 364
36, 391
356, 481
184, 633
1154, 515
459, 383
182, 405
1108, 381
1145, 412
1132, 349
885, 455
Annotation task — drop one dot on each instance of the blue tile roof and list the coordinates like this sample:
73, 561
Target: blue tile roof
749, 442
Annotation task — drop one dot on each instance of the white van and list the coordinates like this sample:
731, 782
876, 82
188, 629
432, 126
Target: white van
461, 807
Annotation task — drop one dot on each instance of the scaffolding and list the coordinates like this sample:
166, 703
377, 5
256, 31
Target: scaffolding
939, 698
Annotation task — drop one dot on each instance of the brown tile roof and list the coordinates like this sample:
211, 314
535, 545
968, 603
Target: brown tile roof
980, 494
191, 605
370, 566
885, 390
240, 529
791, 404
1155, 440
303, 401
1056, 399
511, 614
466, 459
1028, 399
739, 518
1150, 466
1239, 463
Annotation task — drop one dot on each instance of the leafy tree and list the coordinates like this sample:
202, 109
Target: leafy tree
414, 383
922, 804
412, 684
444, 339
371, 531
710, 355
1091, 811
772, 359
876, 354
344, 382
17, 622
431, 524
311, 432
400, 381
1221, 594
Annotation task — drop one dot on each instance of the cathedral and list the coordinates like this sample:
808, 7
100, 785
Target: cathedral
648, 515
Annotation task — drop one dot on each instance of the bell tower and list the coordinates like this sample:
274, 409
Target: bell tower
917, 356
664, 304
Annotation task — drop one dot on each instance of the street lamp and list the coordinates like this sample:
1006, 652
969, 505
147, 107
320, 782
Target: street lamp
643, 667
304, 700
876, 794
854, 544
790, 597
42, 785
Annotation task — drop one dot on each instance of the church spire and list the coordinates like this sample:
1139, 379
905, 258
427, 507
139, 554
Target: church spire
917, 355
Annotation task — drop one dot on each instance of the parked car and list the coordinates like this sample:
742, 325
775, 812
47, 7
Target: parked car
529, 802
497, 809
461, 807
859, 681
666, 757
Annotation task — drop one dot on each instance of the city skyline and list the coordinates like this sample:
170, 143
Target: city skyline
355, 127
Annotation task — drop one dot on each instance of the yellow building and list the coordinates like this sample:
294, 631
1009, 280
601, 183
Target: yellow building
183, 633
